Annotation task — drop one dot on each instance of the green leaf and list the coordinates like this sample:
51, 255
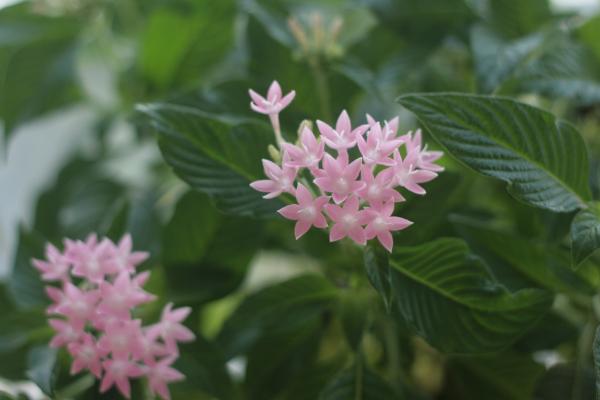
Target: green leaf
596, 352
25, 285
585, 233
198, 242
41, 370
589, 33
503, 376
354, 314
543, 264
279, 306
542, 159
515, 18
204, 366
36, 63
357, 382
378, 271
559, 382
448, 296
215, 156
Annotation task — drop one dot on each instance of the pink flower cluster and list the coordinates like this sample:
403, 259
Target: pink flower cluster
355, 195
93, 315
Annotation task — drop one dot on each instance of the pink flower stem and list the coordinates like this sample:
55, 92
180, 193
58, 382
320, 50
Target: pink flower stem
277, 129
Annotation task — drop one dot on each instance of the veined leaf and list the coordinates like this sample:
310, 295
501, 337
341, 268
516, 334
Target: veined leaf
448, 296
503, 376
215, 156
277, 307
542, 159
357, 382
585, 233
541, 263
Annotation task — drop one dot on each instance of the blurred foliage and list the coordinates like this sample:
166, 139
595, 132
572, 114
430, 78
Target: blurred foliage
499, 274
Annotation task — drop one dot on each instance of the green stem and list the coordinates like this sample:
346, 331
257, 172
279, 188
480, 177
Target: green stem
322, 85
584, 345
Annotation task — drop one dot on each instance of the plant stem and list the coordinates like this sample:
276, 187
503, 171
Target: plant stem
322, 84
584, 345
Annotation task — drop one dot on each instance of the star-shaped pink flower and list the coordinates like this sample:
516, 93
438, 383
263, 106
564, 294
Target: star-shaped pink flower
86, 355
170, 329
120, 297
342, 137
382, 223
408, 176
122, 339
280, 180
338, 177
308, 212
160, 375
57, 266
89, 258
122, 258
378, 189
118, 371
273, 103
308, 154
66, 332
348, 221
78, 305
376, 149
425, 159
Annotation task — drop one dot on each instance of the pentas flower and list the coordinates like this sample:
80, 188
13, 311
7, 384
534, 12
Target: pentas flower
352, 197
93, 317
280, 180
308, 211
342, 137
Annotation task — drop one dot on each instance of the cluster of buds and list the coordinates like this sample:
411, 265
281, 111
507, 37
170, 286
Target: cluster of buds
92, 315
356, 196
315, 37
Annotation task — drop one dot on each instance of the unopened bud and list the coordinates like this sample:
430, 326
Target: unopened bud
274, 153
307, 123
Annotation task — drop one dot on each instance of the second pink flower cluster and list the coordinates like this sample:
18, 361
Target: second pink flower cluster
347, 176
92, 315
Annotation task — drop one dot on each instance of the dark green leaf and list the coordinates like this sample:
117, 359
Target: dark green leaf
596, 352
198, 242
357, 382
448, 296
36, 63
205, 370
558, 383
504, 376
515, 18
217, 157
279, 306
585, 233
41, 370
542, 263
25, 285
354, 314
543, 160
378, 272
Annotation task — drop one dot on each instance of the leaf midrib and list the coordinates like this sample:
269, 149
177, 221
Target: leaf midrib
499, 142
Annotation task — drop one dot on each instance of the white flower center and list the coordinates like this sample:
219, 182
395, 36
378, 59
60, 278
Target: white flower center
349, 220
341, 185
308, 212
379, 223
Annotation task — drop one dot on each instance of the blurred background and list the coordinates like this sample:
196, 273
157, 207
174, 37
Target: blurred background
76, 157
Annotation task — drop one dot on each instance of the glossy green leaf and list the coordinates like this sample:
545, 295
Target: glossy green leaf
448, 296
290, 303
198, 258
24, 283
217, 157
37, 64
204, 367
542, 159
503, 376
585, 233
358, 382
41, 370
542, 263
353, 308
378, 271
